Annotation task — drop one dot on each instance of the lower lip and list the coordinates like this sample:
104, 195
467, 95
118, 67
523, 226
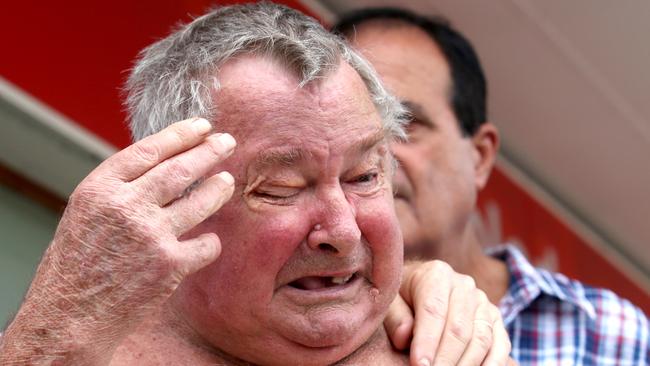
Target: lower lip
345, 292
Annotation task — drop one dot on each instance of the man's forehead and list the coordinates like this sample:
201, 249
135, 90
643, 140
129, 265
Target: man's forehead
257, 92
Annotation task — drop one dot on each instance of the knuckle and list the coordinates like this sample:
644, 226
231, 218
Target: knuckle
483, 337
84, 195
146, 152
204, 207
466, 281
96, 199
418, 274
180, 172
459, 331
177, 222
435, 307
440, 266
428, 270
182, 136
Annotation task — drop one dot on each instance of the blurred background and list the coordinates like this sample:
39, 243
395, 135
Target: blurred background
569, 89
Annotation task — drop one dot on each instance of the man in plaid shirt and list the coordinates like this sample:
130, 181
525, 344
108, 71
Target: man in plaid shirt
451, 149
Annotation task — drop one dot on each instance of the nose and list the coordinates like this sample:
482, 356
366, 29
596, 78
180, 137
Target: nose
336, 230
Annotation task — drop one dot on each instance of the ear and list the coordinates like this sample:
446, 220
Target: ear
486, 146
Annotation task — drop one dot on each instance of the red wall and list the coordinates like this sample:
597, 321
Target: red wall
75, 58
549, 241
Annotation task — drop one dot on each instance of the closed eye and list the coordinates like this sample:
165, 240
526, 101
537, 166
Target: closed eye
280, 196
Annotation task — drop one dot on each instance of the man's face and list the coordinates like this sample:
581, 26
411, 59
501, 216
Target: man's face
311, 254
435, 185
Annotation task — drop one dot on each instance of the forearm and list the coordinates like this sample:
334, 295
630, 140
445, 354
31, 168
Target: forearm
59, 323
37, 336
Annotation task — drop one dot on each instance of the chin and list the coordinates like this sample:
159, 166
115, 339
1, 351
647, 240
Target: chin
332, 340
326, 334
333, 327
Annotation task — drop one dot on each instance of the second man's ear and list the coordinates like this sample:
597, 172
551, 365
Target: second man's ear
486, 146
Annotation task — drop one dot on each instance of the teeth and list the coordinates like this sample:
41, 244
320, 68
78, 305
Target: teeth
341, 280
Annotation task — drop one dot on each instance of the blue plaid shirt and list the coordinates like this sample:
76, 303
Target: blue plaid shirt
553, 320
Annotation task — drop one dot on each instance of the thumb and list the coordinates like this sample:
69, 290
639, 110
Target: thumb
399, 323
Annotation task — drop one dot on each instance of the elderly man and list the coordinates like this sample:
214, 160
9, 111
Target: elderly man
152, 263
436, 74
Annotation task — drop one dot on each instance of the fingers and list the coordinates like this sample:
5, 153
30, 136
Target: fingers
399, 323
427, 286
200, 203
169, 179
453, 319
501, 345
138, 158
482, 335
459, 327
193, 254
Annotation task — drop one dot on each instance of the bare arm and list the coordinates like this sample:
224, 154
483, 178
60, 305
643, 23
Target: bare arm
116, 254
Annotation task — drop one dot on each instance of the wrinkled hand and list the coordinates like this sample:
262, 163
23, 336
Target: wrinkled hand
454, 324
116, 254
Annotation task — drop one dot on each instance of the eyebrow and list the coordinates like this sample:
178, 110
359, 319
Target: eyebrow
370, 141
281, 157
417, 111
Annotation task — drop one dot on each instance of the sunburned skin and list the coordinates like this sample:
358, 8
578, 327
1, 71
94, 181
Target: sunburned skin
276, 181
312, 157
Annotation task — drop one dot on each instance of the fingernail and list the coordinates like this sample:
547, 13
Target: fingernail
424, 362
227, 141
201, 126
226, 177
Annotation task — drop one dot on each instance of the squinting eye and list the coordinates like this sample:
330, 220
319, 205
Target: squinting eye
365, 183
367, 178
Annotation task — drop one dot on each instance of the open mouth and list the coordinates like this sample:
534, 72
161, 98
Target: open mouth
321, 282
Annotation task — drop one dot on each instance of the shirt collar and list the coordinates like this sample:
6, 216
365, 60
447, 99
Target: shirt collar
528, 283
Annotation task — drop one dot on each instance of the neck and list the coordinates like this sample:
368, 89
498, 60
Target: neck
465, 254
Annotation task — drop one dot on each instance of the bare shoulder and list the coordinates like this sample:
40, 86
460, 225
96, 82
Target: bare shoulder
152, 345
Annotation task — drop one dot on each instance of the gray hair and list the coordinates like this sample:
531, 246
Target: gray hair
175, 77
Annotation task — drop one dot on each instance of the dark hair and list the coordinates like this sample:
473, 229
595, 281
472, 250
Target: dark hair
469, 89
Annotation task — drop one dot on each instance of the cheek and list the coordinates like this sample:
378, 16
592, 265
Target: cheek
415, 160
257, 241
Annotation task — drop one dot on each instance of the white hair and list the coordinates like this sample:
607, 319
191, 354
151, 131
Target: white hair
175, 78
